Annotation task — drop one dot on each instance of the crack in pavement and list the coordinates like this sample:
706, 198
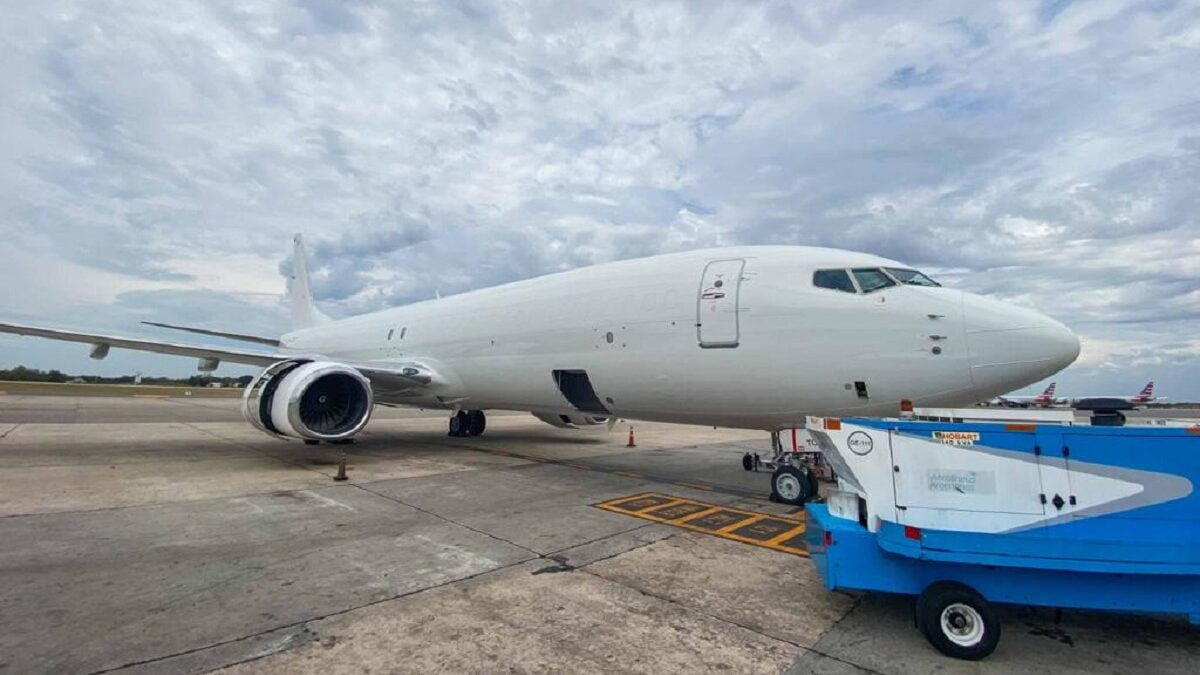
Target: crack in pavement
853, 607
742, 626
303, 622
305, 629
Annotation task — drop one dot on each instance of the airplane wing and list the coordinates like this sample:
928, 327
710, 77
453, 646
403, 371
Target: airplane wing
388, 376
101, 342
204, 331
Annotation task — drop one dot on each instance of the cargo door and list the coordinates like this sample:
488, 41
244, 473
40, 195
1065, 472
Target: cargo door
576, 387
717, 304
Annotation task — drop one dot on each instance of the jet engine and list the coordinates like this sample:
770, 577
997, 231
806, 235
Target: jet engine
310, 400
570, 421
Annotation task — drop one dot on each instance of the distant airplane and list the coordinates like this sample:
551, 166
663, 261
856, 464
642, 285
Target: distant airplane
752, 337
1146, 395
1042, 400
1047, 398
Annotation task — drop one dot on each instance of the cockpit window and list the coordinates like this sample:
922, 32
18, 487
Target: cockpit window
872, 279
911, 277
838, 280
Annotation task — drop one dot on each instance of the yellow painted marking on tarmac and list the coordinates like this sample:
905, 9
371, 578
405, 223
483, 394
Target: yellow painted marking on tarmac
740, 524
580, 466
627, 474
778, 533
694, 486
151, 396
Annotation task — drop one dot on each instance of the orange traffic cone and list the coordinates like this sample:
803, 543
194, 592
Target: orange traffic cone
631, 444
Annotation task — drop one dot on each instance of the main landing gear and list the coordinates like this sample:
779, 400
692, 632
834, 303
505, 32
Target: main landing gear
467, 423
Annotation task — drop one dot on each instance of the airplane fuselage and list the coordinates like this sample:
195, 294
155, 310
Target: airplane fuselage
736, 337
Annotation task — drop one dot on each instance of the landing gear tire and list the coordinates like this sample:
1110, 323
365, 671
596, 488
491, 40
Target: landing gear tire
790, 485
476, 422
957, 621
458, 424
748, 462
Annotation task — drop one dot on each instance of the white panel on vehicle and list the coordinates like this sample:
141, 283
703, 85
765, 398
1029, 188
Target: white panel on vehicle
947, 471
843, 504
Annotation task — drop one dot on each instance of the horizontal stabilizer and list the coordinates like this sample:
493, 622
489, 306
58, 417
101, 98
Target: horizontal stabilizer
204, 331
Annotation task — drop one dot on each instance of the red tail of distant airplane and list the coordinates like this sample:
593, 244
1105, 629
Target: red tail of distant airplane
1145, 395
1046, 398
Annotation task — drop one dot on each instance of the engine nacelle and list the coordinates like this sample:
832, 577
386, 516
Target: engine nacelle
570, 421
312, 400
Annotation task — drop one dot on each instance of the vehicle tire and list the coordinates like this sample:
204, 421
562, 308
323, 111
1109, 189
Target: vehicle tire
957, 621
476, 422
748, 462
814, 486
458, 424
790, 485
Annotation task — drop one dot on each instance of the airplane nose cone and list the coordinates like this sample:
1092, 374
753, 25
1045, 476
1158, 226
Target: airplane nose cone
1011, 347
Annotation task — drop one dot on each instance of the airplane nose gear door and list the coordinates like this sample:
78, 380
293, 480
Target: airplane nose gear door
717, 303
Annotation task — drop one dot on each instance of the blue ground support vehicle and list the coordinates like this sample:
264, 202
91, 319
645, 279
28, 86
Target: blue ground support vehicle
963, 513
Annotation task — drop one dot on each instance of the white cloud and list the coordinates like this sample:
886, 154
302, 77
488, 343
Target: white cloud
1044, 151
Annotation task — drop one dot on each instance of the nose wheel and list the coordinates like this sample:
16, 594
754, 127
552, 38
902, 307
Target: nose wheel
791, 485
467, 423
795, 475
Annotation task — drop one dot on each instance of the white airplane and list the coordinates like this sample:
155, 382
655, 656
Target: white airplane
1042, 400
752, 337
1146, 395
1047, 398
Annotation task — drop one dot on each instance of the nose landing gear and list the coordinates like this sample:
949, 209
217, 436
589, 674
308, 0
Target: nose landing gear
467, 423
792, 485
794, 477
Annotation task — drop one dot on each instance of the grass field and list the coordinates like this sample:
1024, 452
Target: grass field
131, 390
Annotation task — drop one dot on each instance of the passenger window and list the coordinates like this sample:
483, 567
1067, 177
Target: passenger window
837, 280
872, 279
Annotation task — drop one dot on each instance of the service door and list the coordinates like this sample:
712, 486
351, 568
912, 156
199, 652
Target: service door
717, 304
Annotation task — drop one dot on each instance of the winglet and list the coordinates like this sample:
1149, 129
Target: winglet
304, 313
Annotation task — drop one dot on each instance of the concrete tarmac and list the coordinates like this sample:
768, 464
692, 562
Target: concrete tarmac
168, 536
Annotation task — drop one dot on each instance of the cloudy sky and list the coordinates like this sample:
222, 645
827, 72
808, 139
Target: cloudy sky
156, 156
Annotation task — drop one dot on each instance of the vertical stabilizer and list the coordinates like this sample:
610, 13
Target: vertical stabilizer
304, 313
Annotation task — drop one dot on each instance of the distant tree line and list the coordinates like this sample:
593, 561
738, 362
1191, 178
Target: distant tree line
23, 374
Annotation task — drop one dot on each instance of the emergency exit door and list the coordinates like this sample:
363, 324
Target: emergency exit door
717, 304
